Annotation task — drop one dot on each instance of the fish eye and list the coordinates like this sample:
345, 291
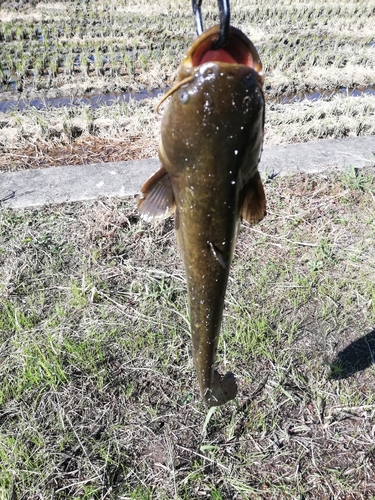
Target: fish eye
184, 97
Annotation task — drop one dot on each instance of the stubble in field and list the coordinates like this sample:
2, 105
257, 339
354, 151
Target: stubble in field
76, 49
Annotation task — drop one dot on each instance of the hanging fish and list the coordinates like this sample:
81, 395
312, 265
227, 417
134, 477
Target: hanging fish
211, 142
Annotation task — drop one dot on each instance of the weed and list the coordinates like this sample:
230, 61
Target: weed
355, 180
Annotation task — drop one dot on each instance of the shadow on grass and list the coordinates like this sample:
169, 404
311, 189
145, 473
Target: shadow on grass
358, 356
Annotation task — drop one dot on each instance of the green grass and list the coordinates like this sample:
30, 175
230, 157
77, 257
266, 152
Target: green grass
99, 396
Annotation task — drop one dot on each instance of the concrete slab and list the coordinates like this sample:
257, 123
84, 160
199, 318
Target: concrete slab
32, 188
315, 157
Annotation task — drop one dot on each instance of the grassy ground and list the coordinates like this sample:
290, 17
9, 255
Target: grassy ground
73, 48
99, 399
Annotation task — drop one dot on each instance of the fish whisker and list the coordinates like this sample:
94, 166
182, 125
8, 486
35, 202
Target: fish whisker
173, 90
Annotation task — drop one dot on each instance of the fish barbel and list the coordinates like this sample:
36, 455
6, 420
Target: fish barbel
211, 142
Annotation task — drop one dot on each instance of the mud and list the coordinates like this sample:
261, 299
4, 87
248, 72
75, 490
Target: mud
110, 98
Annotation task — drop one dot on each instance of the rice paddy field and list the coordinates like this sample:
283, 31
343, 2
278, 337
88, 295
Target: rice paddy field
80, 49
98, 394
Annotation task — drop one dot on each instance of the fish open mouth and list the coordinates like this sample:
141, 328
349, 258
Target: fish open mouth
234, 52
238, 49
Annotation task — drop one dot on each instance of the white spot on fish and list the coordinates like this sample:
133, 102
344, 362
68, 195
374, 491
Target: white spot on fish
236, 152
233, 182
217, 255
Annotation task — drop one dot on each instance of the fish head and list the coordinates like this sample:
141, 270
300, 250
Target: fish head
216, 107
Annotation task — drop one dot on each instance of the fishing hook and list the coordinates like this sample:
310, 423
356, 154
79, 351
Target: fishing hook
198, 16
224, 21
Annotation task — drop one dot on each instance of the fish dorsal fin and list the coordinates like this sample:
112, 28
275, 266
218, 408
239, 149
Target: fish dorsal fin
156, 201
254, 200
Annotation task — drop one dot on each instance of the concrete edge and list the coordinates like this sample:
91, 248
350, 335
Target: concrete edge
33, 188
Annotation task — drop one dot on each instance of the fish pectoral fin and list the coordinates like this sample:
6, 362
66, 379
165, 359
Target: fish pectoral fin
254, 201
156, 201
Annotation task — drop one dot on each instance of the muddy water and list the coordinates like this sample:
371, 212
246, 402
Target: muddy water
95, 101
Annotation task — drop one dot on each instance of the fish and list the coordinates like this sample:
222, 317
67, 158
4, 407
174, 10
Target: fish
211, 143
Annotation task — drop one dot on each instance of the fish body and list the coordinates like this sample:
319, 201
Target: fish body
211, 141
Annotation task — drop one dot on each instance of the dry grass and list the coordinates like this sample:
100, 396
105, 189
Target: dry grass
80, 135
334, 117
39, 138
99, 397
84, 151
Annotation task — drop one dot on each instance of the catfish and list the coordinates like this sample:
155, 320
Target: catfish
211, 143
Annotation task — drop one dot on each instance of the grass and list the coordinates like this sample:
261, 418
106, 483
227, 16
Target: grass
79, 135
99, 396
125, 131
